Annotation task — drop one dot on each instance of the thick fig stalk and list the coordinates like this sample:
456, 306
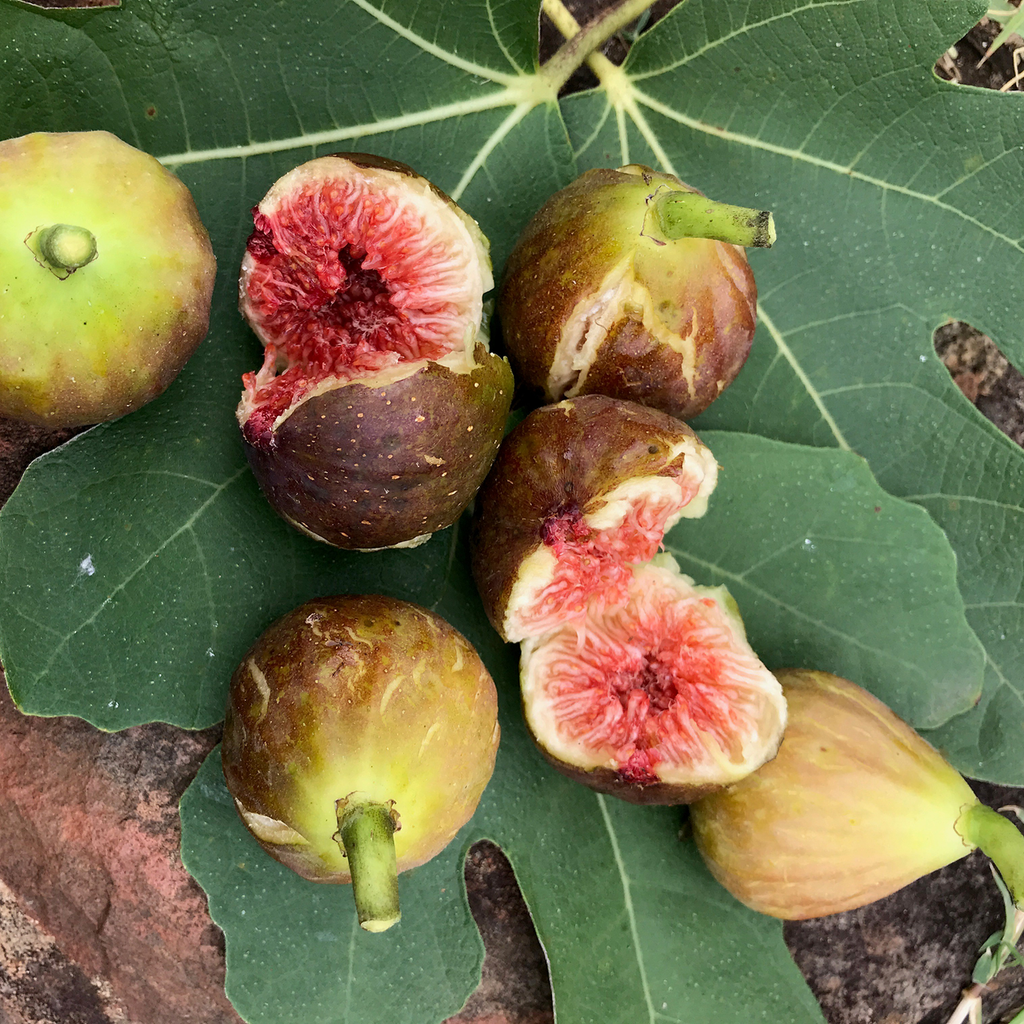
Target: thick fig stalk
366, 834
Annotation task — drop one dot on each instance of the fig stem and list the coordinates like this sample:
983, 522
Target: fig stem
65, 246
366, 834
1000, 840
578, 47
691, 215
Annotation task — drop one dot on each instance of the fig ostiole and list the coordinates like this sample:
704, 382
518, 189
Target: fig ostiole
632, 284
360, 734
378, 408
108, 277
635, 681
854, 806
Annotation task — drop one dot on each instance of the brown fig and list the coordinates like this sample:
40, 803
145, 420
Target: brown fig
360, 734
379, 408
627, 283
634, 681
854, 806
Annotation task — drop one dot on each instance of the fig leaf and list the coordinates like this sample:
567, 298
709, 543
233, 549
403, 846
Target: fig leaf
139, 561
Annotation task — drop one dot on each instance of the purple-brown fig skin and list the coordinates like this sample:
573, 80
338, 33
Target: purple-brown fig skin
348, 693
364, 467
565, 252
560, 458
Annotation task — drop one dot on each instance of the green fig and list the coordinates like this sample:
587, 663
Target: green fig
360, 734
379, 408
106, 277
634, 681
632, 284
854, 806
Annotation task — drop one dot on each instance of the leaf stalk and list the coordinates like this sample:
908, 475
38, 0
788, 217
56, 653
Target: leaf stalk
582, 42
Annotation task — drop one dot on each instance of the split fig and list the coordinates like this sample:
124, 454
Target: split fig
634, 680
107, 275
360, 734
854, 806
632, 284
379, 407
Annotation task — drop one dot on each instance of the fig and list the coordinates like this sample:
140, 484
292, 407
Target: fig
854, 806
634, 680
632, 284
360, 733
107, 276
379, 407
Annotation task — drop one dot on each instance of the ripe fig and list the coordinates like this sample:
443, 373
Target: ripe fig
854, 806
632, 284
360, 734
107, 275
579, 491
634, 681
379, 408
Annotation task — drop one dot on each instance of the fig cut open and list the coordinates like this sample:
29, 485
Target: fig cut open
634, 680
378, 408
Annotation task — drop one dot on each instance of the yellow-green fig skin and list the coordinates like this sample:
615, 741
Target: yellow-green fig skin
362, 698
854, 806
593, 301
93, 344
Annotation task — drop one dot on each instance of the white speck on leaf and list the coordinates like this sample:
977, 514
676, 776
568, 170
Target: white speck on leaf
85, 566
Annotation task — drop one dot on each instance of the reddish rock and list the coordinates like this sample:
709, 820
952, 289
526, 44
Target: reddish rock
89, 838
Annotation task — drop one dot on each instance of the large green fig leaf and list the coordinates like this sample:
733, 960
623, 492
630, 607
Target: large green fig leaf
634, 927
139, 561
893, 192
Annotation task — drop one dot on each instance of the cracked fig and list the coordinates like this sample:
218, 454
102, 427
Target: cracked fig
622, 285
360, 734
634, 680
378, 408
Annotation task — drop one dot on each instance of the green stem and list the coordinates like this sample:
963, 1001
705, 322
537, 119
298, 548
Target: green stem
366, 833
591, 37
1001, 841
691, 215
65, 247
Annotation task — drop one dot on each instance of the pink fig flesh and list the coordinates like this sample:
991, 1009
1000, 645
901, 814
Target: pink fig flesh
634, 681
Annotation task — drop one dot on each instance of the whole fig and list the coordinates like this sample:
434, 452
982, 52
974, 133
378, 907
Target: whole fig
106, 277
627, 283
360, 734
854, 806
378, 409
634, 681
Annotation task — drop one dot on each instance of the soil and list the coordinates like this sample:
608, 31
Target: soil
99, 922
